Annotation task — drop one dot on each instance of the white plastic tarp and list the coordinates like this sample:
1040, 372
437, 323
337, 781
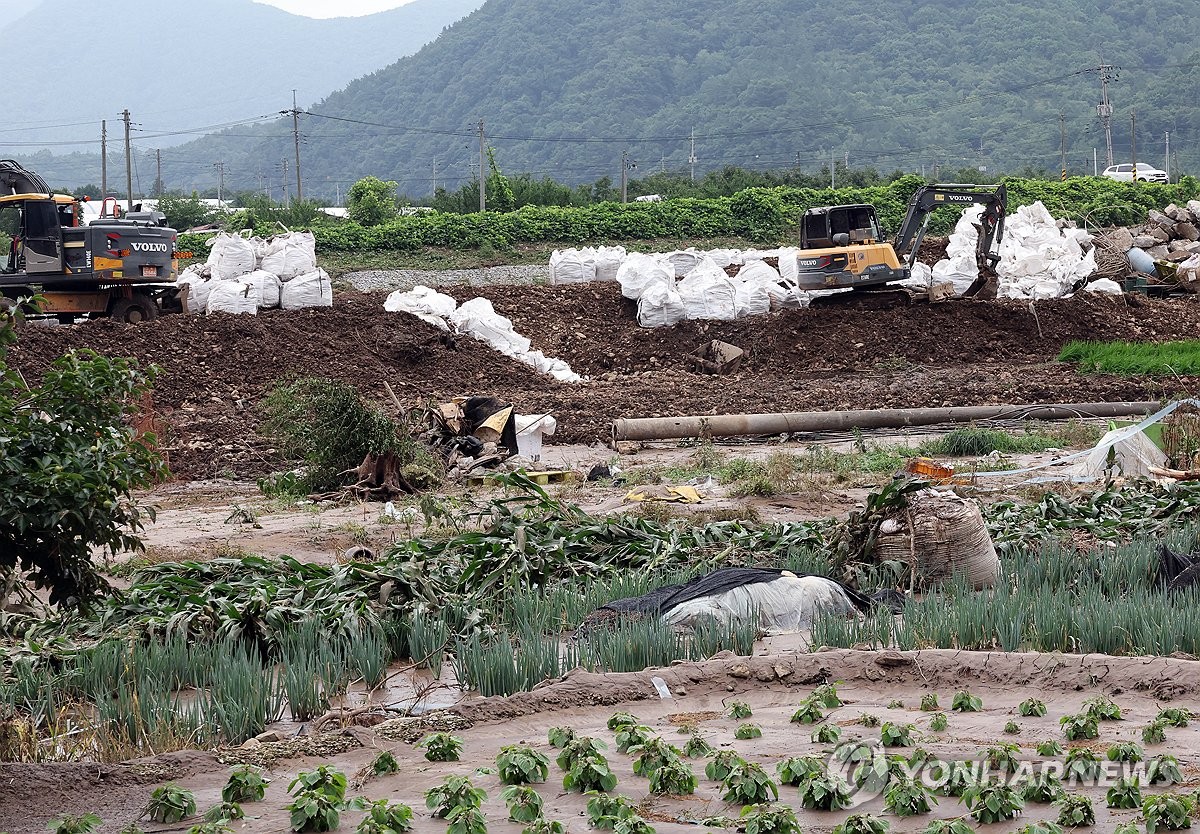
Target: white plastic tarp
425, 303
310, 290
783, 605
478, 318
1125, 452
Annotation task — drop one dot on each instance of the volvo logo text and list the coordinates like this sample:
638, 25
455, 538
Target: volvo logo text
149, 247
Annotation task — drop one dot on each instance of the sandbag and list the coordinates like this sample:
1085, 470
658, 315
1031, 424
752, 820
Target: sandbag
310, 290
198, 281
572, 266
425, 303
947, 536
660, 306
608, 262
231, 256
239, 296
639, 272
289, 255
751, 299
707, 293
267, 285
478, 318
684, 260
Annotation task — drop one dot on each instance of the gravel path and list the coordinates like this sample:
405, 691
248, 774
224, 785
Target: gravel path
406, 279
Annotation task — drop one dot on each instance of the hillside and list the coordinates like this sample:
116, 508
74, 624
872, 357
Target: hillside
566, 85
178, 65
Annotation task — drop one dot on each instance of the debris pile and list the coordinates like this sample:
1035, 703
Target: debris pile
245, 275
478, 319
473, 433
1166, 248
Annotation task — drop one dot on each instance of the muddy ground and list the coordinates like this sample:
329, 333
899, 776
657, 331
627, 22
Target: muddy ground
888, 685
216, 370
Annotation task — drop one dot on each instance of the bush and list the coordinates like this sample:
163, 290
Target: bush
371, 201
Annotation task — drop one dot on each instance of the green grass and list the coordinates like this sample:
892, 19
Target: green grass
1134, 358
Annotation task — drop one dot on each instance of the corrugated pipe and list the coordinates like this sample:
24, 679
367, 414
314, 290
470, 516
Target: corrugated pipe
752, 425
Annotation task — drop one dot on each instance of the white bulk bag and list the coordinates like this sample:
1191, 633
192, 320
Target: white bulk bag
233, 297
684, 260
290, 255
267, 285
660, 306
312, 289
231, 257
707, 293
608, 262
760, 274
638, 272
572, 266
478, 318
199, 286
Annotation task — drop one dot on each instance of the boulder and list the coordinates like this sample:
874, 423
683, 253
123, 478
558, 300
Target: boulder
1144, 241
1175, 213
1162, 234
1121, 239
1158, 252
1187, 231
1193, 206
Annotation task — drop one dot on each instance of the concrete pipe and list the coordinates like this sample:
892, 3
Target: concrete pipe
751, 425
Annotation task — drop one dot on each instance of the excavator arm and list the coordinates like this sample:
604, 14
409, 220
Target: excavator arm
991, 224
15, 179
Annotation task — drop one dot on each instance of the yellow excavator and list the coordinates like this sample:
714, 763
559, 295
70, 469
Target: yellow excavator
844, 247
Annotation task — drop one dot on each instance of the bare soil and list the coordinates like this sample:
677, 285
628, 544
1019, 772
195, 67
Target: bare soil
774, 685
216, 370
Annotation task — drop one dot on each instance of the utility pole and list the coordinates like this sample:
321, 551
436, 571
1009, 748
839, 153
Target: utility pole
433, 182
1104, 109
1062, 125
220, 166
103, 158
627, 165
296, 136
128, 161
1133, 142
1168, 157
158, 183
482, 178
832, 170
286, 198
1095, 162
692, 155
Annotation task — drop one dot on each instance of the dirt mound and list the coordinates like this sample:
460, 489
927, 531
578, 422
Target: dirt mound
217, 369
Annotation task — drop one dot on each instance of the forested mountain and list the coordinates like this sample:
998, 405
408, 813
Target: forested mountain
565, 86
178, 65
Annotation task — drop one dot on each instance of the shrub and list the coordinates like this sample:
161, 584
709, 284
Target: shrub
957, 826
1163, 770
896, 735
1174, 716
70, 824
1082, 764
524, 803
748, 784
938, 722
868, 719
384, 763
1127, 793
1012, 728
1155, 732
769, 819
632, 824
652, 755
1045, 788
543, 826
1080, 727
560, 736
454, 792
630, 736
622, 719
674, 778
908, 799
697, 748
604, 810
1126, 751
824, 791
827, 734
466, 820
809, 713
312, 810
794, 770
1050, 747
827, 696
518, 764
324, 780
929, 702
722, 764
1102, 709
385, 817
1167, 811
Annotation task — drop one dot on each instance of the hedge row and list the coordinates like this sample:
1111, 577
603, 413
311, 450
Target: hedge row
763, 215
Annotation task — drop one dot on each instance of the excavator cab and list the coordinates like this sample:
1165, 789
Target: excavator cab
829, 226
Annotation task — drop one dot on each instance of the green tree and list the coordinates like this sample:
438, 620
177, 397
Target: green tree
185, 213
372, 201
69, 464
499, 191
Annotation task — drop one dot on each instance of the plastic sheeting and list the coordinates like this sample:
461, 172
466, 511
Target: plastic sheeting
479, 319
1122, 453
783, 605
425, 303
310, 290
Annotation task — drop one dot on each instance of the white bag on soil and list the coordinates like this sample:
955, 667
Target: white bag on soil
783, 605
572, 266
240, 296
761, 274
310, 290
639, 272
425, 303
947, 536
289, 255
608, 262
199, 287
232, 256
660, 306
478, 318
267, 284
707, 293
685, 260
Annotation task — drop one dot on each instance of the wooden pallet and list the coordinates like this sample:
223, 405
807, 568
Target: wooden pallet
553, 476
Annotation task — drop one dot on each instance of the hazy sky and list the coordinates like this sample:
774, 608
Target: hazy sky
334, 8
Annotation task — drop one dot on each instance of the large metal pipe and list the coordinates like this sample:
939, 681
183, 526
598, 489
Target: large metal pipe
750, 425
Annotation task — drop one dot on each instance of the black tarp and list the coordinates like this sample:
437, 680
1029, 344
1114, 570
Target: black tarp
1176, 570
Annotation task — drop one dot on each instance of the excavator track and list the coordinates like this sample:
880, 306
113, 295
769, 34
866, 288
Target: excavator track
868, 299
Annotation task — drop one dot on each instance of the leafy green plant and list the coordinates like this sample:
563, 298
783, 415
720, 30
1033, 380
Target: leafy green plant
929, 702
938, 722
1127, 793
524, 803
862, 824
171, 803
220, 826
1126, 751
1040, 827
955, 826
579, 747
746, 731
1045, 788
632, 824
964, 701
827, 734
1003, 757
1082, 764
466, 820
722, 764
622, 719
589, 773
1127, 828
1031, 708
739, 710
809, 713
1102, 709
1168, 812
795, 769
896, 735
441, 747
993, 803
246, 784
1163, 770
71, 824
697, 748
823, 791
454, 792
630, 736
895, 703
674, 778
1080, 727
385, 817
1155, 732
749, 784
543, 826
769, 819
652, 755
1075, 811
605, 810
324, 780
1174, 716
313, 810
1050, 747
827, 696
959, 779
224, 812
1012, 728
868, 719
908, 798
560, 737
519, 764
384, 763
